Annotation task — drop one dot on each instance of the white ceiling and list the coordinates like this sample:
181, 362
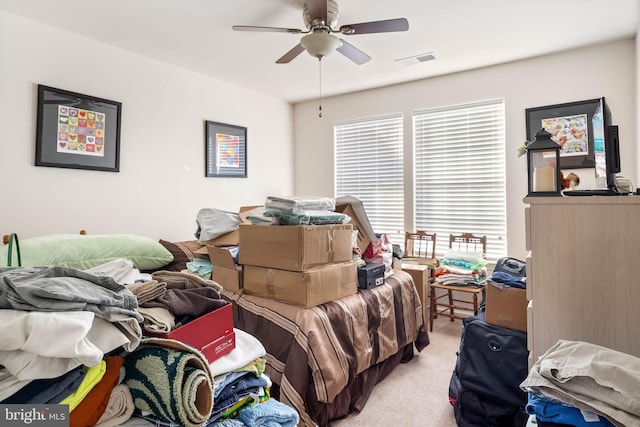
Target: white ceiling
462, 34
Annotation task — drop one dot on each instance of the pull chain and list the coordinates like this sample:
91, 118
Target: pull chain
320, 84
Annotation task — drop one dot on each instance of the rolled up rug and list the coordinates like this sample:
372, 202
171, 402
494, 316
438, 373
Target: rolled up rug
171, 380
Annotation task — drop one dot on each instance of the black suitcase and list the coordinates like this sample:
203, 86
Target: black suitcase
485, 385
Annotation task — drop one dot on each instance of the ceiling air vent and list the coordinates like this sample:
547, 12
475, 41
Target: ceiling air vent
423, 57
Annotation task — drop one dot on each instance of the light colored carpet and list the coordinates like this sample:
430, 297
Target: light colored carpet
415, 393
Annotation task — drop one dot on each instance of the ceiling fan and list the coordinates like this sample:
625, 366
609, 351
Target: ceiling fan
321, 18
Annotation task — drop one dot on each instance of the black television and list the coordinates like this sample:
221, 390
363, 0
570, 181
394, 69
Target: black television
606, 147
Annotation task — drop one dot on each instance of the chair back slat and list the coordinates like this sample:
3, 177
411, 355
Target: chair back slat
468, 242
420, 244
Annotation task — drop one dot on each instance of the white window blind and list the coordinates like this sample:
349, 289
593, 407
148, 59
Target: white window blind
368, 165
460, 173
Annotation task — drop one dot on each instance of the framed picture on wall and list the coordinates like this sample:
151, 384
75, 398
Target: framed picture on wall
77, 131
225, 150
571, 126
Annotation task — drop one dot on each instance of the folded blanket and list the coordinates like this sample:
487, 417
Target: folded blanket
119, 408
270, 412
247, 349
147, 291
171, 380
120, 269
46, 344
157, 319
180, 280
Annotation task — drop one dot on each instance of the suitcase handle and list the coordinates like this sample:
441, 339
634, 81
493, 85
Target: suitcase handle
494, 346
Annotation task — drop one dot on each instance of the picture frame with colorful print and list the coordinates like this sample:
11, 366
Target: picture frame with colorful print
225, 150
571, 126
77, 131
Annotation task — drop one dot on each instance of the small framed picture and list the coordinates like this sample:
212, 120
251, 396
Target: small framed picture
570, 125
77, 131
225, 150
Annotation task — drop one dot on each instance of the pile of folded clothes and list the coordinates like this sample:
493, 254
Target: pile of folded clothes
576, 383
302, 211
462, 268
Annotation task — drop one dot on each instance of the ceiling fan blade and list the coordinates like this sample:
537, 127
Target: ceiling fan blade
353, 53
385, 26
287, 57
266, 29
318, 9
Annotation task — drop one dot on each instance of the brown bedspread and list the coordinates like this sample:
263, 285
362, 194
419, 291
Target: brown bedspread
313, 354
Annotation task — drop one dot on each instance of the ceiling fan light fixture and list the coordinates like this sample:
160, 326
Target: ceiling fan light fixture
320, 44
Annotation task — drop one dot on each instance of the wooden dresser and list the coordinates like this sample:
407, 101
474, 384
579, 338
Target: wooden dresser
583, 272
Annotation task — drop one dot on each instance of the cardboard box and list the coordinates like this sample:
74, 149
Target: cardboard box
225, 270
231, 238
506, 307
371, 275
211, 333
294, 247
302, 288
420, 275
353, 207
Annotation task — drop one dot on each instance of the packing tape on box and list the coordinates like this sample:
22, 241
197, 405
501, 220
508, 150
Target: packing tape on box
271, 289
331, 251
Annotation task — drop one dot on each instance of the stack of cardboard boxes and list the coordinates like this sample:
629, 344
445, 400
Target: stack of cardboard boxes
304, 265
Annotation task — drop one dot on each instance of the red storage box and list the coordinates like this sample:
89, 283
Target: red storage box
211, 333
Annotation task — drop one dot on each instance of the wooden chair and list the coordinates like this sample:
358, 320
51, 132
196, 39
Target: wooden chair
464, 242
420, 248
420, 262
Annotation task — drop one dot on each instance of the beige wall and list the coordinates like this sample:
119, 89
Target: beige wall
607, 70
161, 184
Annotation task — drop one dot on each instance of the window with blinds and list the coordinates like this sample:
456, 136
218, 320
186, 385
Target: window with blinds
460, 173
368, 166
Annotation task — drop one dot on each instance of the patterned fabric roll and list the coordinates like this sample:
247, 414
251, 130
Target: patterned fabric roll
171, 380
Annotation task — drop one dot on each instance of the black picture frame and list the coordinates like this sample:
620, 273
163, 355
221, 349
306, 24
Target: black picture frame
571, 126
77, 131
225, 150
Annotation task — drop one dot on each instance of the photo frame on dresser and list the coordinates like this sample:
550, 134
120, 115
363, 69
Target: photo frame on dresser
77, 131
225, 150
570, 125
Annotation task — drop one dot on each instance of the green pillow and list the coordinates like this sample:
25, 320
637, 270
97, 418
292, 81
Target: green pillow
87, 251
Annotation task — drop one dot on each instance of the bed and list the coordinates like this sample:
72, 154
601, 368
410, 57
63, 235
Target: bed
324, 361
